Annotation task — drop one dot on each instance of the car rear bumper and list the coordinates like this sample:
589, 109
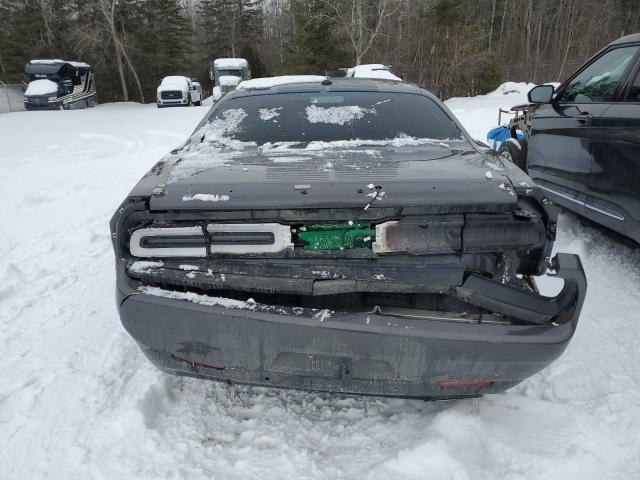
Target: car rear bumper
358, 353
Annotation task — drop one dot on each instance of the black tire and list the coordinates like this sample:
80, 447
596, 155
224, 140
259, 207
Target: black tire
515, 151
197, 104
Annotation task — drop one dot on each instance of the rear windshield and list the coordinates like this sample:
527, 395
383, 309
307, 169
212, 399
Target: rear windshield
328, 117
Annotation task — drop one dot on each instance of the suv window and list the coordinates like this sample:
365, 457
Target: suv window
598, 82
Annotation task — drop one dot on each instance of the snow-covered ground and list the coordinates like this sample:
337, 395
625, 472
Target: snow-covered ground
79, 401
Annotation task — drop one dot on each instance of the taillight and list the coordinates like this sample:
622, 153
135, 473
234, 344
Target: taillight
168, 242
215, 366
249, 238
225, 238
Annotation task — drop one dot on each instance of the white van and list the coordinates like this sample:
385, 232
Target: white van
177, 90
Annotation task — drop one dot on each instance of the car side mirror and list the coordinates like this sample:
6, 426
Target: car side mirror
193, 87
541, 94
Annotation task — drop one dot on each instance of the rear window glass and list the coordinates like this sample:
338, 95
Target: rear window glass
332, 116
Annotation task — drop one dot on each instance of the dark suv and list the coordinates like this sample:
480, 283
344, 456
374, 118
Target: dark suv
584, 139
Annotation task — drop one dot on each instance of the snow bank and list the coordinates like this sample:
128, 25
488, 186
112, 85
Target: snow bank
373, 70
479, 114
269, 82
517, 88
41, 87
512, 88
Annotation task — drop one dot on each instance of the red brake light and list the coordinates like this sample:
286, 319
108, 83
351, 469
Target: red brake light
217, 366
465, 383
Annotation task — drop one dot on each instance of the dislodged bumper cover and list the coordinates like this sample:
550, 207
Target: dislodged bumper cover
344, 352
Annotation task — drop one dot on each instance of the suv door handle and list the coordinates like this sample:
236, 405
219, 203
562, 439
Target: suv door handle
583, 117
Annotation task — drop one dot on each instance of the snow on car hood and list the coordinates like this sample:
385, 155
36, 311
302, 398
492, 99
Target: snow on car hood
41, 87
259, 178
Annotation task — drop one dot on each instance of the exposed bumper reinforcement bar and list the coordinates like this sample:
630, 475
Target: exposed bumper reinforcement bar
360, 353
525, 306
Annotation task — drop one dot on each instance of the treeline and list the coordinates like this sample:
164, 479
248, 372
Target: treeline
452, 47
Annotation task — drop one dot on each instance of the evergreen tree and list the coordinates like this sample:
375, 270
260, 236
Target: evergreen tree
231, 26
313, 48
161, 33
31, 29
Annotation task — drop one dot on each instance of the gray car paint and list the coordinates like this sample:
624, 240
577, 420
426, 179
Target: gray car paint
409, 176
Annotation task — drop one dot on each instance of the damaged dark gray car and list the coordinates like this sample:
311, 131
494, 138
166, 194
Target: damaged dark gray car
347, 236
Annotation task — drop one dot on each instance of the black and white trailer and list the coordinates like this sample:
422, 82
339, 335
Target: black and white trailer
59, 84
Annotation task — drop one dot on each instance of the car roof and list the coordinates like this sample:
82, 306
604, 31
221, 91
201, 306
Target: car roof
51, 67
337, 84
634, 37
175, 78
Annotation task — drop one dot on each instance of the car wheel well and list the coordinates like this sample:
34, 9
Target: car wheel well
515, 151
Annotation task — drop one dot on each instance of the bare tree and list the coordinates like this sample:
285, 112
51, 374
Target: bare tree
108, 9
453, 47
46, 8
361, 21
493, 14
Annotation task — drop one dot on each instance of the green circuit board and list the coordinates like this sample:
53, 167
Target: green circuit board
336, 236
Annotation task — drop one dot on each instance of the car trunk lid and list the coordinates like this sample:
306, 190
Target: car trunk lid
458, 180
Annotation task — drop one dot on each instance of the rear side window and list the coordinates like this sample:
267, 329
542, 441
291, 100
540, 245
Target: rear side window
330, 116
598, 82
